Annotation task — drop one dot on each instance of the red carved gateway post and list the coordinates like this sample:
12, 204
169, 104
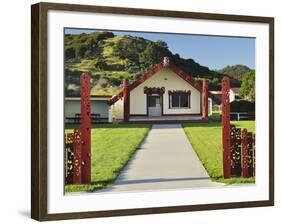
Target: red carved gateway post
85, 127
73, 157
126, 97
205, 99
226, 127
77, 157
245, 166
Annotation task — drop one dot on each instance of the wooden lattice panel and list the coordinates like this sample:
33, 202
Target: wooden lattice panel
235, 150
77, 157
251, 154
68, 145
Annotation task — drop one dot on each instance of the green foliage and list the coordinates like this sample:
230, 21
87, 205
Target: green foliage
161, 44
236, 71
248, 86
84, 45
128, 48
152, 55
100, 64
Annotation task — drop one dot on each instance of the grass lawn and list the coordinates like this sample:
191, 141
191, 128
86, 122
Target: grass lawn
206, 141
112, 146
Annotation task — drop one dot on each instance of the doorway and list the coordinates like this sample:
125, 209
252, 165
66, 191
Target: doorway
154, 104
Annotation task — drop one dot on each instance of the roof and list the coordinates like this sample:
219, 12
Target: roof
165, 63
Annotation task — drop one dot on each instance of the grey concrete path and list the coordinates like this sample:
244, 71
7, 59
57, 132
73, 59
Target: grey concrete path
165, 160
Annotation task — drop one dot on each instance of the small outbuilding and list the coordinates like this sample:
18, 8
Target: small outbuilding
99, 108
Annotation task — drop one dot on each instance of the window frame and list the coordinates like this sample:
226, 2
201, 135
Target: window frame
179, 94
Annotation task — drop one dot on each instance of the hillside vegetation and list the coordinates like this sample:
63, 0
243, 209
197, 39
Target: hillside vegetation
110, 58
236, 71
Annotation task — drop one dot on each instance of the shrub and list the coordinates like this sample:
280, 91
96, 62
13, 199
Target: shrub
242, 106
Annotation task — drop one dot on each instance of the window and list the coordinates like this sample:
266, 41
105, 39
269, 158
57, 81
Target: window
179, 100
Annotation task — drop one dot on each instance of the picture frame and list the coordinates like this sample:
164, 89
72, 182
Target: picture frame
40, 88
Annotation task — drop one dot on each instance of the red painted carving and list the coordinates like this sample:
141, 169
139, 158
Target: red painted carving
126, 95
204, 100
254, 154
85, 127
244, 164
226, 127
73, 157
77, 157
235, 150
154, 90
251, 154
68, 144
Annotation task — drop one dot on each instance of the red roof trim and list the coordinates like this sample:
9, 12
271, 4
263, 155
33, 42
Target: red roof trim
115, 98
151, 72
146, 76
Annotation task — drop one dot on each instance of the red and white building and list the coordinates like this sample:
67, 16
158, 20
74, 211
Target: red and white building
164, 93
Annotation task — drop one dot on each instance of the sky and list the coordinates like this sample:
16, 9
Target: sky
214, 52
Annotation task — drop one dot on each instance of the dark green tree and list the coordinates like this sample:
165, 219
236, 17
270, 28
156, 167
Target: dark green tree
152, 55
247, 90
69, 52
161, 43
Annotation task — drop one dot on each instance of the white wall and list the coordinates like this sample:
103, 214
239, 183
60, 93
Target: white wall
171, 81
118, 110
71, 107
210, 106
231, 95
15, 114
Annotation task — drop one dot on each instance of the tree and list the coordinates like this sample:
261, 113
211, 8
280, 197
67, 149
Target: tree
247, 90
152, 55
100, 64
69, 52
161, 43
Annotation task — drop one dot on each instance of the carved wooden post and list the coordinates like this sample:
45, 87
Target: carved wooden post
69, 158
126, 98
254, 153
85, 127
251, 154
226, 127
205, 99
77, 157
244, 164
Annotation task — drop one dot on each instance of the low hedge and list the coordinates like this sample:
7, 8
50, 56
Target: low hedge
242, 106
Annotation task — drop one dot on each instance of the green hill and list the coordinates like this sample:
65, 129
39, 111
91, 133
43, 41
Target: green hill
236, 71
110, 58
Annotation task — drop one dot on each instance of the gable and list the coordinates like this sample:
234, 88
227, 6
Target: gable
165, 78
165, 63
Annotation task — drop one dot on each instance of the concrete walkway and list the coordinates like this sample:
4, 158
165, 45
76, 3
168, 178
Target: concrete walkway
165, 160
